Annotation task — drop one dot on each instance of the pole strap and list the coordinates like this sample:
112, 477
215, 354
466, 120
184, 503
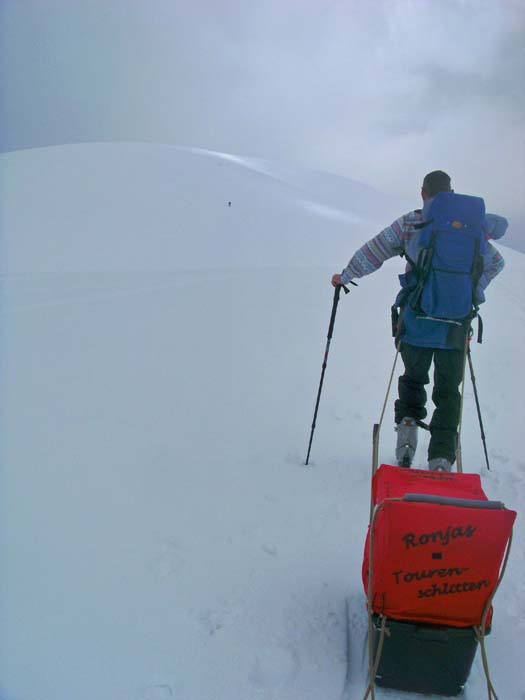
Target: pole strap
459, 459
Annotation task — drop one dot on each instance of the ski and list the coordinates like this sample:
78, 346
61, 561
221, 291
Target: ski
356, 632
345, 695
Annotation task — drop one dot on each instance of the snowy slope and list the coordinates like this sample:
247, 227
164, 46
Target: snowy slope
160, 536
114, 206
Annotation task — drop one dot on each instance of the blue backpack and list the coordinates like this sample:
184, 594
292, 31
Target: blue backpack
450, 263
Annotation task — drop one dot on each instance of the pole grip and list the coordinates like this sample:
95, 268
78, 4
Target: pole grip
337, 294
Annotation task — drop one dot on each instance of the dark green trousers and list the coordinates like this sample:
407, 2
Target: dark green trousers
448, 372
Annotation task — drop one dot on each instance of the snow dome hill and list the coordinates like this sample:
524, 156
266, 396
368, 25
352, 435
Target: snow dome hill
135, 206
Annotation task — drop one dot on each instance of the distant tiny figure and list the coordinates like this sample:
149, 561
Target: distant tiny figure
229, 204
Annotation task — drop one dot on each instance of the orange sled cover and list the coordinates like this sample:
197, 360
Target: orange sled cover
395, 482
434, 562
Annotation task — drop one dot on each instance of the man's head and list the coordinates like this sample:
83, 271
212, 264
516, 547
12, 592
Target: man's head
434, 182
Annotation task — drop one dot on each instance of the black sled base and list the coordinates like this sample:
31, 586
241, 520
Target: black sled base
425, 658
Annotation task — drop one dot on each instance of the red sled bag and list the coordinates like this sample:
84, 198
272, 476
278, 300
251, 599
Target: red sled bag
436, 558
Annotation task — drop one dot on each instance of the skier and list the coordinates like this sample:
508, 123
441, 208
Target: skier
422, 338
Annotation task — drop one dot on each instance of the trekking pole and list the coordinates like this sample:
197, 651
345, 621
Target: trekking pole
337, 292
472, 376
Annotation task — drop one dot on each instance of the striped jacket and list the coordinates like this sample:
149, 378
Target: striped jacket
403, 237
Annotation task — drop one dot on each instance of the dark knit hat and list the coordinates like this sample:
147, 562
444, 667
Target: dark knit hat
436, 181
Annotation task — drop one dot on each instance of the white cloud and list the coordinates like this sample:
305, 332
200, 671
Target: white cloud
382, 90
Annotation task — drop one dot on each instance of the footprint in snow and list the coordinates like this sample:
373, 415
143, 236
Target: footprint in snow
212, 620
270, 549
294, 458
337, 416
275, 665
270, 498
499, 457
169, 560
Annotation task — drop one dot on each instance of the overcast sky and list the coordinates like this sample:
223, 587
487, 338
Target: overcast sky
377, 90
